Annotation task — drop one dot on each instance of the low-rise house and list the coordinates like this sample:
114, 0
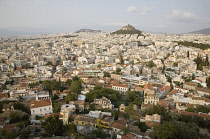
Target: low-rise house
190, 85
84, 120
152, 118
104, 103
79, 104
97, 114
66, 111
197, 100
118, 125
104, 121
41, 107
122, 88
203, 91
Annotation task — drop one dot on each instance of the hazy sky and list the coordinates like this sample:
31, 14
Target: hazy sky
174, 16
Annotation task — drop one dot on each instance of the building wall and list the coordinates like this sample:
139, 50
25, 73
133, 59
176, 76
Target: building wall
41, 111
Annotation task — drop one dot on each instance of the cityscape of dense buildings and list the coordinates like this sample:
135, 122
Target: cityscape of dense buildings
105, 85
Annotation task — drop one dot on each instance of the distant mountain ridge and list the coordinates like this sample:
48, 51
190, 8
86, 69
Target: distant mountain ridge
202, 31
88, 30
128, 29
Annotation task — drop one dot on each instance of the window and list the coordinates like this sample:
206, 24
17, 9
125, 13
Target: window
40, 110
44, 109
49, 108
82, 122
33, 111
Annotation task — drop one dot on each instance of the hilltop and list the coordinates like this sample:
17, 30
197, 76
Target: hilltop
128, 29
88, 30
202, 31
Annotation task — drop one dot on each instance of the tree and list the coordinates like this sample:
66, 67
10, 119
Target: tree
49, 63
71, 129
27, 65
208, 82
56, 106
150, 64
156, 109
99, 133
121, 59
99, 92
24, 134
53, 85
188, 54
142, 126
32, 85
9, 135
64, 70
68, 82
107, 74
16, 116
186, 130
76, 86
118, 70
20, 106
76, 78
131, 95
175, 64
53, 126
137, 101
71, 96
167, 130
206, 61
126, 130
193, 76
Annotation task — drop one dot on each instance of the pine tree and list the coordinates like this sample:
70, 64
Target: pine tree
207, 61
188, 53
208, 82
193, 76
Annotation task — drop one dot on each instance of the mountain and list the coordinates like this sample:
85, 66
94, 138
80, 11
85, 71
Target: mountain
128, 29
202, 31
88, 30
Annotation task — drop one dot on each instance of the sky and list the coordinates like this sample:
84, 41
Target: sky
65, 16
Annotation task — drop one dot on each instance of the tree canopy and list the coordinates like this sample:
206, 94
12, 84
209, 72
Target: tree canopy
167, 130
53, 126
99, 92
150, 64
76, 86
196, 45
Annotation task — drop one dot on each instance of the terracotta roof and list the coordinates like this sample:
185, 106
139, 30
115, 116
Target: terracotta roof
193, 114
165, 88
53, 114
163, 103
127, 136
139, 89
152, 124
3, 96
119, 124
173, 91
121, 85
107, 86
40, 103
148, 86
203, 89
146, 105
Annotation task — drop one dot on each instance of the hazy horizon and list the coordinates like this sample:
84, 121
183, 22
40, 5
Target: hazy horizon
65, 16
